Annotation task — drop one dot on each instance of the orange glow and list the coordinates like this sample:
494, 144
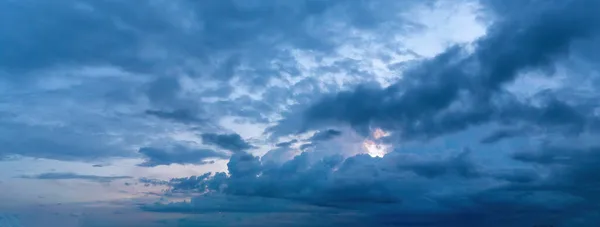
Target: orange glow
378, 133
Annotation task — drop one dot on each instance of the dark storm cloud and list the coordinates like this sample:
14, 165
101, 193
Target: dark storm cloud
331, 181
178, 155
564, 197
231, 142
558, 188
379, 188
458, 88
361, 183
459, 165
519, 176
74, 176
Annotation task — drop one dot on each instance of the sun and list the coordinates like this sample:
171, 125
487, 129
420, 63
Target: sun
373, 148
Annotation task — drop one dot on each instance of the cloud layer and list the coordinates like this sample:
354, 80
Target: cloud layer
309, 112
74, 176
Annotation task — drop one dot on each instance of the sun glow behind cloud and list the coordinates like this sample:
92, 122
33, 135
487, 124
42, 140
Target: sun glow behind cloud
374, 147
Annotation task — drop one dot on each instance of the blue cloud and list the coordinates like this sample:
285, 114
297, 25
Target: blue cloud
152, 182
74, 176
468, 143
286, 144
119, 65
501, 134
115, 33
181, 115
231, 142
325, 135
421, 105
178, 155
60, 143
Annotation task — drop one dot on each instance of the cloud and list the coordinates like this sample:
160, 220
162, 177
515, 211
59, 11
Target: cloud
100, 165
231, 39
59, 143
401, 189
187, 65
280, 155
74, 176
178, 154
184, 116
189, 184
152, 182
236, 204
231, 142
501, 134
460, 88
459, 165
324, 135
136, 76
519, 176
300, 179
286, 144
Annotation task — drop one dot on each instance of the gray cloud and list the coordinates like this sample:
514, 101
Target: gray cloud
458, 88
164, 49
199, 30
459, 165
278, 155
501, 134
325, 135
152, 182
331, 181
181, 115
178, 154
74, 176
286, 144
557, 187
119, 65
60, 143
231, 142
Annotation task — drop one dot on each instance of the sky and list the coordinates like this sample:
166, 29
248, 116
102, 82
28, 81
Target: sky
304, 113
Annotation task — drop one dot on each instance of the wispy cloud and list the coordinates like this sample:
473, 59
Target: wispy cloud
74, 176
